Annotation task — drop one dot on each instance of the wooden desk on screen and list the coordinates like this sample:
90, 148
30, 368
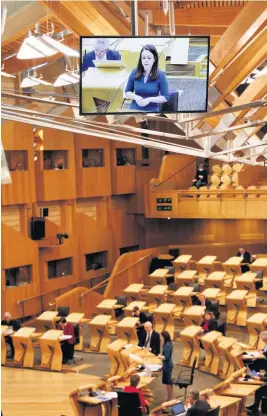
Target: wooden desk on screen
194, 315
163, 318
205, 266
182, 299
24, 351
186, 278
99, 334
128, 310
237, 307
51, 350
76, 318
210, 345
126, 330
156, 295
47, 320
117, 365
247, 282
133, 291
256, 324
241, 391
158, 277
225, 345
216, 280
182, 263
189, 337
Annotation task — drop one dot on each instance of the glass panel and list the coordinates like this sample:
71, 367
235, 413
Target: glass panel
95, 261
18, 276
125, 157
93, 158
17, 159
55, 159
59, 268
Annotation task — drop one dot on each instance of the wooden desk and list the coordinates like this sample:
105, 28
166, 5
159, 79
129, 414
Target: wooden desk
247, 282
156, 295
256, 324
211, 293
186, 278
237, 307
128, 310
260, 265
216, 280
159, 276
225, 345
232, 268
99, 333
77, 318
241, 391
229, 406
205, 266
133, 291
51, 350
163, 318
181, 263
24, 351
194, 315
189, 337
210, 345
165, 257
117, 366
47, 320
107, 307
182, 299
126, 331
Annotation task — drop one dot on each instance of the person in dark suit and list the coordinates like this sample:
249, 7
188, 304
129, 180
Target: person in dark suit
260, 363
201, 178
253, 410
198, 407
140, 324
150, 339
15, 324
202, 301
101, 52
246, 258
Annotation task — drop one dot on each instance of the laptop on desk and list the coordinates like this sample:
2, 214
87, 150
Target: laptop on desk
178, 409
109, 64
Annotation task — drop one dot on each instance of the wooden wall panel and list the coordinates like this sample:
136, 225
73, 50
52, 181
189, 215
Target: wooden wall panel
92, 182
10, 216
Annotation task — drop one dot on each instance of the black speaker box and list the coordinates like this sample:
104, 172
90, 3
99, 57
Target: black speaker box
37, 228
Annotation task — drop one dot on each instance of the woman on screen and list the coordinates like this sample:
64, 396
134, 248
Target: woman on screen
147, 85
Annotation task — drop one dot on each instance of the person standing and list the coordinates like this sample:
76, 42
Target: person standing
68, 345
166, 357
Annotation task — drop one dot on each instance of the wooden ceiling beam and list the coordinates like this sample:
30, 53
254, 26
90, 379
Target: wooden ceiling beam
126, 9
242, 66
205, 17
239, 33
88, 18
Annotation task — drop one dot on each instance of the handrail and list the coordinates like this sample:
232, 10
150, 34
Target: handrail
173, 173
116, 274
40, 296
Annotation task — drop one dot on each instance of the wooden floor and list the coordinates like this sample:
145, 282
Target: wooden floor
39, 393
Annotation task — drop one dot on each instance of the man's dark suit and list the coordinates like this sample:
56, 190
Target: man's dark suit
199, 408
90, 57
154, 342
246, 259
207, 303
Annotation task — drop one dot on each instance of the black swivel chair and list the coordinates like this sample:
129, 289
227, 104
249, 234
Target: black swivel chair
129, 404
171, 105
185, 378
63, 311
214, 412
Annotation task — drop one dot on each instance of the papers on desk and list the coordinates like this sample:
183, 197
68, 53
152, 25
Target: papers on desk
127, 346
153, 367
8, 332
64, 337
254, 354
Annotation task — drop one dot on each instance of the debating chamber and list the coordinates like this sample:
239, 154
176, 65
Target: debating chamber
134, 208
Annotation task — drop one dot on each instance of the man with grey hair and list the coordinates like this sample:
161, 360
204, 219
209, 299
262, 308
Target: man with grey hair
261, 363
150, 339
15, 325
197, 407
101, 52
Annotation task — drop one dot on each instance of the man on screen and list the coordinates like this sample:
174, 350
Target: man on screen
101, 52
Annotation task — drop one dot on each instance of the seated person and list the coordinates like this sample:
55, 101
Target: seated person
209, 323
201, 300
15, 324
260, 363
253, 410
246, 257
150, 339
68, 345
201, 178
134, 380
100, 53
197, 407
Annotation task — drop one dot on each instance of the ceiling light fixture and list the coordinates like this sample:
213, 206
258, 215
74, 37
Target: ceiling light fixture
34, 47
67, 78
32, 81
5, 74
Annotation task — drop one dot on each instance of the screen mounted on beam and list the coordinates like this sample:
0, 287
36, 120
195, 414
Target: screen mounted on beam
141, 74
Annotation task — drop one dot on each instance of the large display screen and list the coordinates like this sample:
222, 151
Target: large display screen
144, 74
